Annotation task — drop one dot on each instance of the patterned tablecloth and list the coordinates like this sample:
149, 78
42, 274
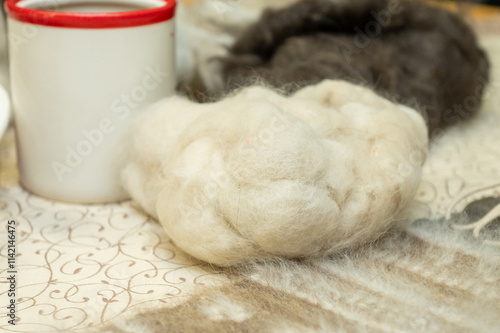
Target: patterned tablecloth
80, 266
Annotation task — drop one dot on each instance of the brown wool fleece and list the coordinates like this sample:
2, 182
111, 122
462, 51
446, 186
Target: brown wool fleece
421, 56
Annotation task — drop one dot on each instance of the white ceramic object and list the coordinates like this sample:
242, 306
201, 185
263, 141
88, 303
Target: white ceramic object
4, 111
80, 71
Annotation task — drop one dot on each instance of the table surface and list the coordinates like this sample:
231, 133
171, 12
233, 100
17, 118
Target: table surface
80, 266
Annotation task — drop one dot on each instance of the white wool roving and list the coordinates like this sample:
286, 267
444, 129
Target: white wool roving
260, 175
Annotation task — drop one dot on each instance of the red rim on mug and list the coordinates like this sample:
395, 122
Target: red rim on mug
162, 10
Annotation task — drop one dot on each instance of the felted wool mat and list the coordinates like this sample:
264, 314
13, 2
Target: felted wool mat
429, 278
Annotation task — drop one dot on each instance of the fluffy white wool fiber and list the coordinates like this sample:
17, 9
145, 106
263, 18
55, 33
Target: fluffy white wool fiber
259, 175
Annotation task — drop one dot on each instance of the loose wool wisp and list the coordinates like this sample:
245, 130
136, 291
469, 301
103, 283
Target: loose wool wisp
259, 175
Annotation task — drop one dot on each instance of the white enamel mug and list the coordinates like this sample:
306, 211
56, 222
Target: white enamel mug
80, 71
